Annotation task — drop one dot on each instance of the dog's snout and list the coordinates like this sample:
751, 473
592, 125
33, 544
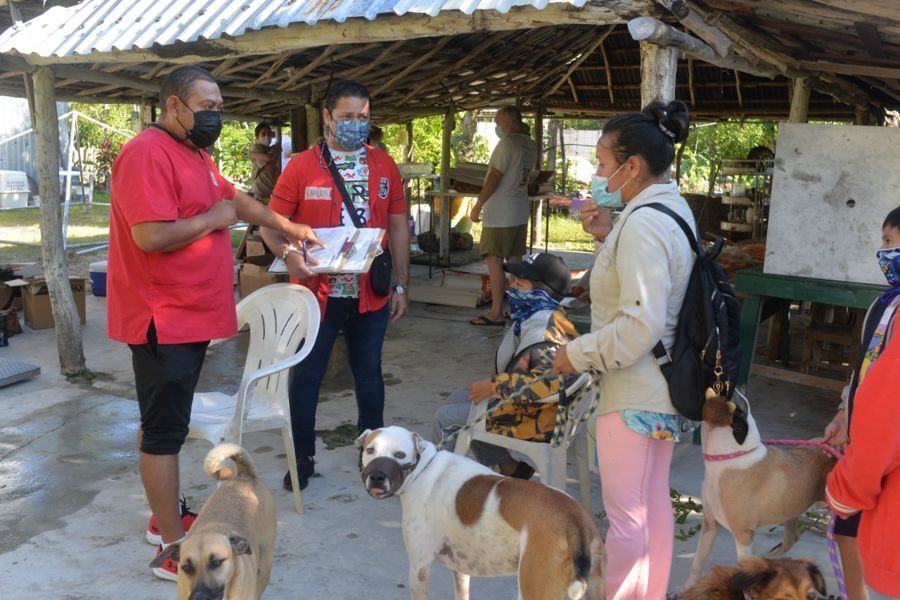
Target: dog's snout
377, 477
206, 592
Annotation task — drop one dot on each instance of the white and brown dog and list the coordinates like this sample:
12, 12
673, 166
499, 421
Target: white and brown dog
477, 523
749, 484
227, 555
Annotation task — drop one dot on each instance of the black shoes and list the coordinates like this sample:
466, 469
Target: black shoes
306, 466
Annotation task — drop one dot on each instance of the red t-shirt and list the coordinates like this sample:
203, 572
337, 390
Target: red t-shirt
189, 292
305, 193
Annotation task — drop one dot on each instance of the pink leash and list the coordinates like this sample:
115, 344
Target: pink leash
832, 545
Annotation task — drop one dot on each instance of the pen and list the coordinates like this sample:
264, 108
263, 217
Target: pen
305, 255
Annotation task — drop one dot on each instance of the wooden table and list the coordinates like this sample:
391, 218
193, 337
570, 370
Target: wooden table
766, 294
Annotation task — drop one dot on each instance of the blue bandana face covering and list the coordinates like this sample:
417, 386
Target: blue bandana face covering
889, 260
524, 303
601, 194
351, 134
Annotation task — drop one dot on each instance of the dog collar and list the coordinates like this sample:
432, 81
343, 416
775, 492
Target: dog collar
716, 457
423, 468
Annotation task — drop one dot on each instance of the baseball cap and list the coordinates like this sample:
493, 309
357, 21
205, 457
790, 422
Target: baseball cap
548, 269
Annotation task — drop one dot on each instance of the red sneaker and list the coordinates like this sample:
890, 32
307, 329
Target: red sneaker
168, 570
187, 519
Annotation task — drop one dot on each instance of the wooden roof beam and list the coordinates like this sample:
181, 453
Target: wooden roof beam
577, 62
654, 31
390, 83
689, 17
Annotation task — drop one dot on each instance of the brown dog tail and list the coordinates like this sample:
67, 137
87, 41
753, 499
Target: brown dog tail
215, 466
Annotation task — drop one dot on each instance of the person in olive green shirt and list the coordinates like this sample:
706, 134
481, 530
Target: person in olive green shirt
264, 157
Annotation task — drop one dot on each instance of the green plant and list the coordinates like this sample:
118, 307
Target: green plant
682, 508
97, 145
232, 151
708, 143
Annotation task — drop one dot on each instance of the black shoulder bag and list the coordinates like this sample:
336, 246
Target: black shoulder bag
380, 271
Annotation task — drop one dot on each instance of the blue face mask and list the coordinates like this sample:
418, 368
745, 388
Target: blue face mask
601, 194
889, 260
524, 303
351, 134
499, 131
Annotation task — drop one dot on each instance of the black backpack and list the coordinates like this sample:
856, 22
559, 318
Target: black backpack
707, 350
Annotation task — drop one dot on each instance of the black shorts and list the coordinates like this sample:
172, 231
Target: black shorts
165, 376
847, 527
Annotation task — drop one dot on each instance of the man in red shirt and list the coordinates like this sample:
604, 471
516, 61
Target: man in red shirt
171, 276
306, 193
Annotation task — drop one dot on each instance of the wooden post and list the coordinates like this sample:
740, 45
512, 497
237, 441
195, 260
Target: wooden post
145, 115
862, 116
800, 100
409, 141
447, 132
537, 208
45, 120
299, 141
562, 155
658, 66
313, 121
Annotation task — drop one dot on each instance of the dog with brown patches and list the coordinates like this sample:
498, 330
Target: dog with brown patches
476, 522
228, 553
757, 578
749, 484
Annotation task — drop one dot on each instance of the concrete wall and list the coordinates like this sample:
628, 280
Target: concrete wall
832, 188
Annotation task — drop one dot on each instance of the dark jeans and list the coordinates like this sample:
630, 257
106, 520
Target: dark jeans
364, 334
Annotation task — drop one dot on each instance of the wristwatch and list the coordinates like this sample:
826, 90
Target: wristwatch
400, 289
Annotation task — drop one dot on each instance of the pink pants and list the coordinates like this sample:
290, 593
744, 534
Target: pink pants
634, 471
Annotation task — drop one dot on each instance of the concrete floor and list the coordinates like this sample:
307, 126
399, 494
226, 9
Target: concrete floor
72, 514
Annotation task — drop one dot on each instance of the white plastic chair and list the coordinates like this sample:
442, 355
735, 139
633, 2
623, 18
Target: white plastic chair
549, 461
279, 316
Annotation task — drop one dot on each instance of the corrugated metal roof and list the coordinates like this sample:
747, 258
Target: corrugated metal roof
107, 25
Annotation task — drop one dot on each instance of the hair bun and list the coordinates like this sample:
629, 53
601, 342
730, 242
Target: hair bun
675, 121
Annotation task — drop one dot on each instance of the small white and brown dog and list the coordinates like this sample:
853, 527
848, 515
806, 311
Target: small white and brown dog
478, 523
749, 484
227, 555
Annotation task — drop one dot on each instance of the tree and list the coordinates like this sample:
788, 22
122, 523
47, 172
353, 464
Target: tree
708, 143
98, 146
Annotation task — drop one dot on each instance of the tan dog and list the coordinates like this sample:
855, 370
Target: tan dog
758, 578
749, 484
478, 523
228, 553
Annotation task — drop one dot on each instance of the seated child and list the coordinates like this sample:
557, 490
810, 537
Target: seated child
523, 368
876, 331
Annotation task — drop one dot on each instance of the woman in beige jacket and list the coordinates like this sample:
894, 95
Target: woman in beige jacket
637, 285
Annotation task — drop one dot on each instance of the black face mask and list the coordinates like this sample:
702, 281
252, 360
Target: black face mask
207, 127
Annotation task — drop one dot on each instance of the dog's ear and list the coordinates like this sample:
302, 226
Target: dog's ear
173, 552
751, 573
816, 575
361, 440
739, 426
239, 544
419, 443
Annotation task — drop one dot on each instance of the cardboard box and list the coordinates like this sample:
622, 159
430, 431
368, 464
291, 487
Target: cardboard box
256, 248
254, 274
36, 298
